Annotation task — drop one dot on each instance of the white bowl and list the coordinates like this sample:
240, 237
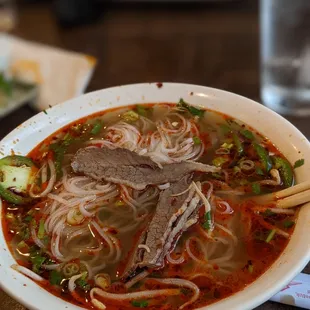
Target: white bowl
284, 135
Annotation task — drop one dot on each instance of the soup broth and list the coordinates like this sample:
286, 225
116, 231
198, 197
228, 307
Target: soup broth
79, 235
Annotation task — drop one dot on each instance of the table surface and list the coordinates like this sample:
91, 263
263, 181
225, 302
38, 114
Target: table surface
212, 44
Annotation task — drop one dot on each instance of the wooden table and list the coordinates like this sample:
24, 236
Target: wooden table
214, 45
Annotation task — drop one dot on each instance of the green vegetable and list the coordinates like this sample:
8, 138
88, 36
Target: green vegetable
55, 277
256, 188
70, 269
285, 169
219, 161
82, 282
6, 86
28, 218
196, 140
44, 111
270, 235
238, 144
41, 230
288, 224
259, 171
207, 221
37, 262
139, 303
194, 111
130, 116
24, 233
268, 212
299, 163
247, 134
225, 129
141, 110
263, 156
97, 127
16, 174
59, 153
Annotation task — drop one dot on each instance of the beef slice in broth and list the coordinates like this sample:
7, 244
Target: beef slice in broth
123, 166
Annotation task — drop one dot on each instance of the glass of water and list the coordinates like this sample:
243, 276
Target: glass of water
285, 55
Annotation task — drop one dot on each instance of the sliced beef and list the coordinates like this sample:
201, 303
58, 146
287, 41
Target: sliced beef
173, 216
122, 166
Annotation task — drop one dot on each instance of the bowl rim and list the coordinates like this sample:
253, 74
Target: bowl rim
247, 304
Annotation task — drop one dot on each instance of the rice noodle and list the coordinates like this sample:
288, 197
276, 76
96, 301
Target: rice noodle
135, 295
173, 261
25, 271
137, 278
51, 181
182, 283
71, 284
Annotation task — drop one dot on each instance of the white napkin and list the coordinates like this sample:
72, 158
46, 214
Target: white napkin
60, 74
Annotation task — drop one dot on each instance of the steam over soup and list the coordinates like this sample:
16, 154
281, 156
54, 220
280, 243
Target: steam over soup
147, 206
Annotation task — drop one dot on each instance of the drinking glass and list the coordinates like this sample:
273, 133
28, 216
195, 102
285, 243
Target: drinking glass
285, 55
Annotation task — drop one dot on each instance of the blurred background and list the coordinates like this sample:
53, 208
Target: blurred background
212, 43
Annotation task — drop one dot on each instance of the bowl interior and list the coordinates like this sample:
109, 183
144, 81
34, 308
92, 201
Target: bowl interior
284, 135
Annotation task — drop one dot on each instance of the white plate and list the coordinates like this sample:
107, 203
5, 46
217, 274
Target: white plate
285, 136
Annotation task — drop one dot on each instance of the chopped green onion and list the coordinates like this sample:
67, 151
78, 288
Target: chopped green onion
263, 156
194, 111
55, 277
139, 303
238, 144
259, 171
37, 262
41, 230
207, 221
130, 116
226, 145
97, 127
251, 268
270, 235
236, 169
285, 169
256, 188
83, 284
288, 224
247, 134
141, 110
22, 245
119, 203
219, 161
196, 140
299, 163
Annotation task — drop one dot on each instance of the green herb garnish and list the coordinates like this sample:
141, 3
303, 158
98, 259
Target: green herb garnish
207, 225
194, 111
285, 169
299, 163
256, 188
268, 212
238, 144
288, 224
55, 277
141, 110
28, 218
139, 303
259, 171
97, 127
225, 129
263, 156
196, 140
41, 230
130, 116
37, 262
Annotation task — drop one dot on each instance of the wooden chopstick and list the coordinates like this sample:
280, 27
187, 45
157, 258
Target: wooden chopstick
287, 198
294, 200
